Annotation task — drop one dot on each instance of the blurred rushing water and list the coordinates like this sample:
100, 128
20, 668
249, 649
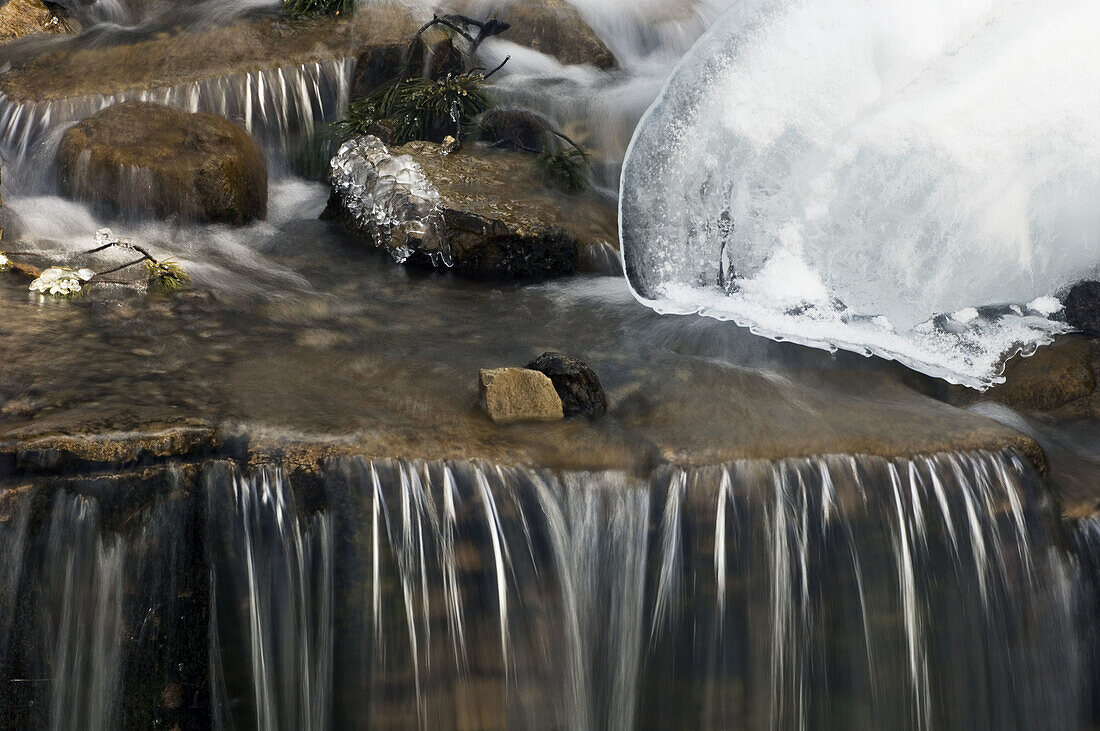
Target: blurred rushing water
831, 592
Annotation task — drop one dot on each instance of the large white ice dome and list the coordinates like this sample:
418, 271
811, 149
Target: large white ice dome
885, 176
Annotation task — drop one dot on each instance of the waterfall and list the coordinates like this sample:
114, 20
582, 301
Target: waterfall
839, 591
1086, 538
99, 606
85, 593
278, 106
857, 592
282, 633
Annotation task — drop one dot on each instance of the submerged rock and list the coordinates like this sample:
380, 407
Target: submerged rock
553, 27
19, 18
519, 394
578, 385
152, 159
1058, 379
1083, 307
492, 214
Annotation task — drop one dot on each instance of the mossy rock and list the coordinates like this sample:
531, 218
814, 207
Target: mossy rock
502, 219
148, 159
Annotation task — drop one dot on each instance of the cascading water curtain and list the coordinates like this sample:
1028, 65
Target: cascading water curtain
98, 607
841, 592
271, 593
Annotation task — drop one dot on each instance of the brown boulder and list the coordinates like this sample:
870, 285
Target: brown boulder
152, 159
1058, 378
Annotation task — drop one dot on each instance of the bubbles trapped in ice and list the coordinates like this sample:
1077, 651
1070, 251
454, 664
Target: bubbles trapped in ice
880, 176
391, 199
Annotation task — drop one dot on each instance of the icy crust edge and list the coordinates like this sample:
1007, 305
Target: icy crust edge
922, 349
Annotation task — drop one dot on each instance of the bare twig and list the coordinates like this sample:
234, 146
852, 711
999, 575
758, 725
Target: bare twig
436, 20
565, 137
145, 257
498, 68
485, 28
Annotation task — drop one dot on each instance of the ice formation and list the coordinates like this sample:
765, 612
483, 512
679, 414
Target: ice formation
61, 281
887, 177
390, 199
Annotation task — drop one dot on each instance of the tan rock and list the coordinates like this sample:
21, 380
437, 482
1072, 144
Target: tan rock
148, 158
20, 18
519, 394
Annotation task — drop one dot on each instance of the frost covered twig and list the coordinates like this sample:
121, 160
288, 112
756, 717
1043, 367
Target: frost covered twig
61, 281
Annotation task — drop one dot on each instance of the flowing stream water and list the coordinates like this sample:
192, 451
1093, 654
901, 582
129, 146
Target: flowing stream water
343, 592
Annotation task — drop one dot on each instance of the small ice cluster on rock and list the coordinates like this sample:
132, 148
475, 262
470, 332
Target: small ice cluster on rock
105, 236
61, 281
390, 198
5, 263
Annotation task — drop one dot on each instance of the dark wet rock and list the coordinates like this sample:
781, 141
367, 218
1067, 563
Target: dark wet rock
516, 129
576, 383
519, 394
19, 18
553, 27
1083, 307
433, 57
152, 159
494, 216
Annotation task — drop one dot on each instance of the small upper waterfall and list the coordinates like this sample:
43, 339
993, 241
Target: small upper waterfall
853, 592
278, 106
